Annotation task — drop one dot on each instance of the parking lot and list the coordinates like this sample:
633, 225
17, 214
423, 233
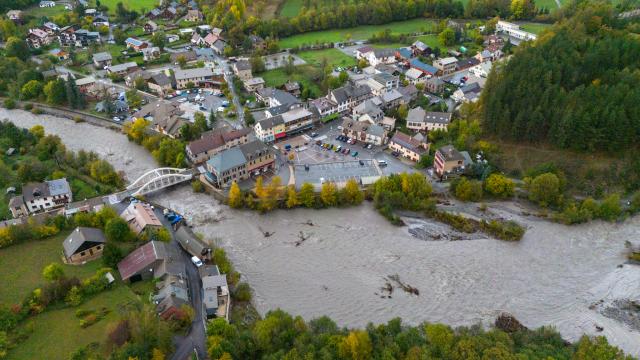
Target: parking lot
338, 172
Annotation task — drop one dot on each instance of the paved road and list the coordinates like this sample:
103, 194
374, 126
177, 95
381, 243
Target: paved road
228, 77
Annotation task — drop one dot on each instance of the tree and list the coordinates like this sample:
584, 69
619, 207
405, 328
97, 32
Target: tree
545, 189
329, 194
270, 195
37, 131
351, 193
257, 64
212, 119
235, 196
440, 337
111, 255
292, 197
182, 61
158, 39
136, 130
597, 348
31, 90
157, 354
134, 99
55, 92
259, 188
499, 185
307, 196
17, 48
468, 190
522, 9
119, 36
53, 272
200, 123
447, 37
117, 230
610, 208
356, 346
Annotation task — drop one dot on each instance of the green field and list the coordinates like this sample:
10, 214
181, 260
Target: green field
38, 12
21, 267
356, 33
431, 40
547, 4
57, 333
137, 5
304, 75
535, 28
334, 57
291, 8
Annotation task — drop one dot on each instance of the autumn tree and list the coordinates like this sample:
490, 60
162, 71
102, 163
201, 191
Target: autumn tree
356, 346
499, 185
292, 197
307, 195
544, 189
136, 129
351, 193
53, 272
235, 196
329, 194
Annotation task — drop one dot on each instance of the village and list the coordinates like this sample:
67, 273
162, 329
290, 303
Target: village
169, 69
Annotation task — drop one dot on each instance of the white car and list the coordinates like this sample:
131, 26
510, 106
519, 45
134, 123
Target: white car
196, 261
181, 100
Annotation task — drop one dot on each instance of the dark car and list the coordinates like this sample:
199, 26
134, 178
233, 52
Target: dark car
395, 154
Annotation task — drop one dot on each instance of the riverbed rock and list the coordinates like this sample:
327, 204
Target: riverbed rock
508, 323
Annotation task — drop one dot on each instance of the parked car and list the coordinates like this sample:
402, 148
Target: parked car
395, 154
314, 134
354, 154
196, 261
382, 163
346, 151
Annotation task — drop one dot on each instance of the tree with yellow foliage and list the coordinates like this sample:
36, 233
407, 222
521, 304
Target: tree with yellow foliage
235, 196
356, 346
136, 130
292, 197
328, 194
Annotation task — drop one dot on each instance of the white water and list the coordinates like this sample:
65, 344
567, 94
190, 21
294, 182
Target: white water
550, 277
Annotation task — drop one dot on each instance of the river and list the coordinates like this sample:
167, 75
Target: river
556, 275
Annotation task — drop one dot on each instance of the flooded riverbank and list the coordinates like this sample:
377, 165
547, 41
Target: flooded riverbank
554, 276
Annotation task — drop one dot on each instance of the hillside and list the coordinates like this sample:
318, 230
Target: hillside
576, 87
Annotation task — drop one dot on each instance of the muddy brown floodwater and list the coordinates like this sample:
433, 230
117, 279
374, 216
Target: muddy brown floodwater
567, 277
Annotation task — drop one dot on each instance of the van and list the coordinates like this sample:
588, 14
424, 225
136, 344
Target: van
382, 163
196, 261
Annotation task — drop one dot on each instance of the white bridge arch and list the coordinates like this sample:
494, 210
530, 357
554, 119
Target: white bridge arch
151, 181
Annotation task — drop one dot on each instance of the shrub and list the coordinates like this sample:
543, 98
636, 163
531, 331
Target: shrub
197, 186
468, 190
80, 313
9, 103
507, 230
610, 208
499, 185
545, 189
28, 106
78, 119
242, 292
88, 321
36, 111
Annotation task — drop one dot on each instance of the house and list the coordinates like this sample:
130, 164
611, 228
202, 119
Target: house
239, 163
296, 120
135, 44
59, 54
153, 259
404, 54
216, 295
150, 53
270, 129
15, 16
122, 69
198, 77
82, 245
468, 63
391, 99
348, 96
140, 217
50, 28
467, 93
160, 84
365, 131
415, 76
188, 56
211, 143
172, 295
218, 46
130, 79
514, 31
446, 65
448, 160
292, 87
420, 120
46, 4
84, 37
257, 43
150, 27
67, 35
254, 84
102, 59
242, 69
278, 98
85, 85
192, 245
41, 197
117, 106
361, 53
420, 48
434, 85
369, 108
37, 38
481, 70
425, 68
165, 117
171, 38
100, 20
409, 147
194, 15
484, 55
381, 56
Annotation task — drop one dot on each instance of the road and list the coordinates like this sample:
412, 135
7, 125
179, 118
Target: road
228, 77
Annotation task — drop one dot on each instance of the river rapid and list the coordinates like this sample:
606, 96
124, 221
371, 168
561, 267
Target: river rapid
561, 276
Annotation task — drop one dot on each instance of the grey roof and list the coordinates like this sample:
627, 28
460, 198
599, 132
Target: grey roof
210, 285
271, 122
379, 53
59, 187
368, 107
450, 153
408, 142
161, 79
193, 73
122, 67
438, 117
283, 97
343, 94
376, 130
391, 95
242, 65
81, 236
228, 159
252, 148
190, 243
417, 114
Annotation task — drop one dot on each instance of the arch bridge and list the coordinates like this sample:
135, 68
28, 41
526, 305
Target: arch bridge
152, 181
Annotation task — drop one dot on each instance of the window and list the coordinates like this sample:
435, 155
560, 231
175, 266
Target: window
82, 253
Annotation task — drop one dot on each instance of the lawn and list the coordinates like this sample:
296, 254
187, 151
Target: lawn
535, 28
303, 74
356, 33
547, 4
334, 57
291, 8
21, 267
38, 12
57, 333
137, 5
431, 40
